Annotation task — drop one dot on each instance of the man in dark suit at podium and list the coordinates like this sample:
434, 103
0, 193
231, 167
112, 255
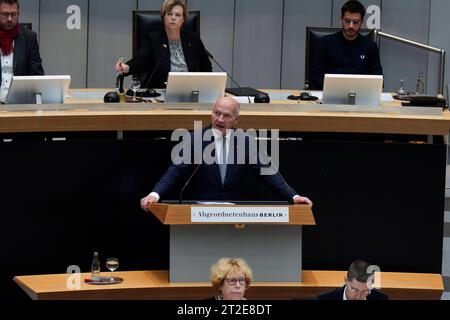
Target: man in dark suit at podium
358, 284
224, 179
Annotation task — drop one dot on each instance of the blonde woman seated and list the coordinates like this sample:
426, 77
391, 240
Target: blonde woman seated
232, 277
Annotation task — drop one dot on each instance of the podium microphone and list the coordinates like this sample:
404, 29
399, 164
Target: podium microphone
152, 92
242, 90
180, 200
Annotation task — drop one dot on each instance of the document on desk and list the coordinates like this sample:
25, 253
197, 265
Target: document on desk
87, 95
215, 202
244, 99
386, 97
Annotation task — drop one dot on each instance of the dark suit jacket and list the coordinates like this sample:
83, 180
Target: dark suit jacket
156, 46
27, 60
338, 294
206, 183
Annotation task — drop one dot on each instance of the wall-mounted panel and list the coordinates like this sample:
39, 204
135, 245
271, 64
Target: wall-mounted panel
407, 19
298, 14
216, 30
149, 4
110, 37
29, 13
257, 43
439, 27
64, 50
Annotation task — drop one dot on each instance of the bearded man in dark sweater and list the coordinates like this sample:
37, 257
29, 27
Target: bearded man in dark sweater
346, 51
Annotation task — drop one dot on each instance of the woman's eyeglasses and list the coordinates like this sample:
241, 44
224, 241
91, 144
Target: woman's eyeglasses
233, 281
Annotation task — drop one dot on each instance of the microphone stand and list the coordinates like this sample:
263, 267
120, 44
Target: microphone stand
212, 58
148, 80
180, 200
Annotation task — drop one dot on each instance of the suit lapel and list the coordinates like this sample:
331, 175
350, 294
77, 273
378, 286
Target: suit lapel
187, 50
18, 50
215, 170
163, 47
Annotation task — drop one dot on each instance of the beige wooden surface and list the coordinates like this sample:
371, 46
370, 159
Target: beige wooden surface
181, 214
155, 285
88, 116
71, 99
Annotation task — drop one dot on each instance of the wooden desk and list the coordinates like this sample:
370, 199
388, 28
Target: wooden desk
141, 285
285, 117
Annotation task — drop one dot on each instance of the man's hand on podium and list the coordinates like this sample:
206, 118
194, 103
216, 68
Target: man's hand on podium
146, 201
302, 200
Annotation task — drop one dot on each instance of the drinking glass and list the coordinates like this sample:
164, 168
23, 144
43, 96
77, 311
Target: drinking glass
401, 90
134, 86
112, 264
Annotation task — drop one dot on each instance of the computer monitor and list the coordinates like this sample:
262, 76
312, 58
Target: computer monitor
204, 87
38, 89
352, 89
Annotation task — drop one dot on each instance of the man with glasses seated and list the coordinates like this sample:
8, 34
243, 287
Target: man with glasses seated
358, 285
231, 277
19, 48
346, 51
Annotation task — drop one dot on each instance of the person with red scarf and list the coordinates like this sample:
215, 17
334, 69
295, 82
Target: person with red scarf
19, 48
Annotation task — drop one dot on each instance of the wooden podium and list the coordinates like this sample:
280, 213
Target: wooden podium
272, 248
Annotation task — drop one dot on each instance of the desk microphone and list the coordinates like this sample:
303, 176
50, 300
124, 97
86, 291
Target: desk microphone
229, 76
113, 96
119, 82
447, 96
152, 92
187, 182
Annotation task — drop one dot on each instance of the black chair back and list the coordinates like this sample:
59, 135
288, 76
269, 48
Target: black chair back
26, 25
313, 37
149, 21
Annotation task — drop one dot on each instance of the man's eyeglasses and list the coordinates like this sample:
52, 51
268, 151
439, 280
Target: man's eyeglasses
7, 14
354, 21
363, 292
233, 281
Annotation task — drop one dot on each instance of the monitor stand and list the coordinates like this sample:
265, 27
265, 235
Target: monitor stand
194, 96
352, 98
38, 97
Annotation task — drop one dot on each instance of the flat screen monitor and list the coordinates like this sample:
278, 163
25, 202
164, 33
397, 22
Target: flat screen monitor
38, 89
204, 87
339, 88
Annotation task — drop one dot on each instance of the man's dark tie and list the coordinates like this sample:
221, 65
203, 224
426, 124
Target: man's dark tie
223, 164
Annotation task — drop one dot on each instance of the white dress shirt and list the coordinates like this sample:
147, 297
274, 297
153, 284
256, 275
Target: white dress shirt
7, 74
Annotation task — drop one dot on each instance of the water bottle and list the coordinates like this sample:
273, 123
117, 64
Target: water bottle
420, 89
95, 269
